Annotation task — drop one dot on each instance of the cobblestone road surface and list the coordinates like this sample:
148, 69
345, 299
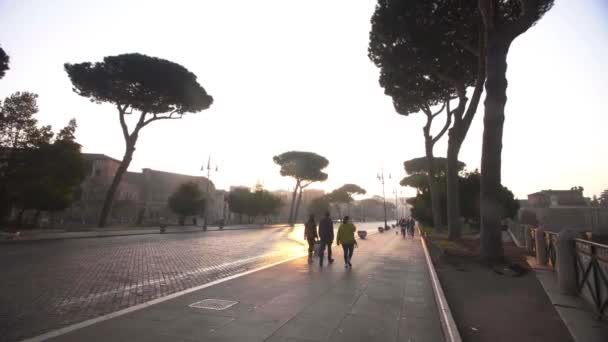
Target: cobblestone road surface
50, 284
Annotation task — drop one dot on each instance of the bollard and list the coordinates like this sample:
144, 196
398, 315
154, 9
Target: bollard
565, 262
528, 239
541, 247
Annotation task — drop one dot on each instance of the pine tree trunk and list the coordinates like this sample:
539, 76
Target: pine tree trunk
433, 187
122, 168
496, 98
453, 188
293, 202
295, 216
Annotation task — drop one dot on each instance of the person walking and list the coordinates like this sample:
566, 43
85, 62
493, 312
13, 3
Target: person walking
310, 235
346, 237
403, 226
410, 227
326, 235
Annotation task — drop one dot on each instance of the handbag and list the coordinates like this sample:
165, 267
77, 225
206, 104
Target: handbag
317, 248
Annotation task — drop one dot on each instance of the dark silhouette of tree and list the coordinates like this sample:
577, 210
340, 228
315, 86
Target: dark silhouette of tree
344, 195
603, 199
306, 168
267, 204
429, 52
187, 200
237, 201
243, 201
503, 21
319, 206
4, 59
52, 173
19, 132
419, 165
469, 197
155, 88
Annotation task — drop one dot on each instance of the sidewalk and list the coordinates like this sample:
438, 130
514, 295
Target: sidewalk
386, 296
573, 310
107, 232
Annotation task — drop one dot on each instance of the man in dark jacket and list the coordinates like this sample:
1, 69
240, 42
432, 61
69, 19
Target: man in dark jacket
326, 235
310, 235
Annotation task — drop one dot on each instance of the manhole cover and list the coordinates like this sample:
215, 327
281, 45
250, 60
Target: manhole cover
213, 304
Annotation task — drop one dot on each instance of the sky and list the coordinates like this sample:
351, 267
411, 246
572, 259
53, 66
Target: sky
294, 75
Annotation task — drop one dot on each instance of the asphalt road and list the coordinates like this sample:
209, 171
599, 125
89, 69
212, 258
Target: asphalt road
50, 284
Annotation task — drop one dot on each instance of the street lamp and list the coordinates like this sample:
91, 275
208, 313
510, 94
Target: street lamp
206, 209
396, 192
380, 177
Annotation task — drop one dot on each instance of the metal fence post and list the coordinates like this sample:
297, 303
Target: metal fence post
541, 247
565, 262
528, 239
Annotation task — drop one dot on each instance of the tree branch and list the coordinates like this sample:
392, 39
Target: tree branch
171, 116
441, 109
448, 122
486, 9
479, 83
305, 185
123, 123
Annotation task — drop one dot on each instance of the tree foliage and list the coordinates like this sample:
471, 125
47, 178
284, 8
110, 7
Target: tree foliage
156, 88
469, 197
4, 59
38, 170
260, 202
51, 180
147, 84
420, 165
303, 166
188, 199
421, 47
319, 206
344, 194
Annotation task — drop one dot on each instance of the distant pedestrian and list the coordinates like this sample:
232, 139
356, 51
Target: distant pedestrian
346, 237
411, 226
310, 235
326, 235
403, 225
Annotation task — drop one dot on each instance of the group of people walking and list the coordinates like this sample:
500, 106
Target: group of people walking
325, 236
407, 226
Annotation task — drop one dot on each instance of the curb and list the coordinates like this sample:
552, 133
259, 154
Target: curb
448, 325
96, 235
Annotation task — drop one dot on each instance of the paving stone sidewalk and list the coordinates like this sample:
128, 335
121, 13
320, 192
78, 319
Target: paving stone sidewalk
386, 296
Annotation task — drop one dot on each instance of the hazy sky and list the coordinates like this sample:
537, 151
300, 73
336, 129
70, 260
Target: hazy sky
294, 75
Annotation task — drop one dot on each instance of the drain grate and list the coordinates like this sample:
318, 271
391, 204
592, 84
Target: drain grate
213, 304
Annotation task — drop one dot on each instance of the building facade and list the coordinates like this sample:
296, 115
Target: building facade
141, 197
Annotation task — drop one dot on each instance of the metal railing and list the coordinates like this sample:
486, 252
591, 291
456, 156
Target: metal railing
591, 267
592, 274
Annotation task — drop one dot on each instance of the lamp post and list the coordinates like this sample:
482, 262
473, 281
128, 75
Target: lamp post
380, 177
206, 209
396, 192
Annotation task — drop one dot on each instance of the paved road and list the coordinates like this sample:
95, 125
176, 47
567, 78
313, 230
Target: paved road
49, 284
386, 297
